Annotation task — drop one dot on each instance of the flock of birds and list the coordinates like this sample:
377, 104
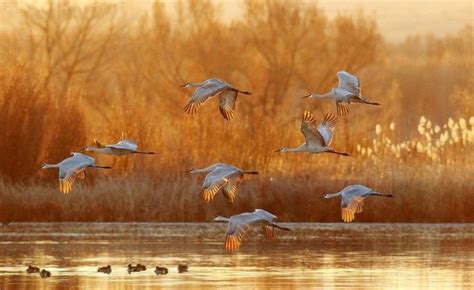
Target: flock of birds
227, 178
108, 269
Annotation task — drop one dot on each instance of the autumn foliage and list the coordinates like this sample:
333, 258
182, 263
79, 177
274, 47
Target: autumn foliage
73, 73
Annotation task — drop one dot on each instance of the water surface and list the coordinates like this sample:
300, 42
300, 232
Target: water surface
312, 255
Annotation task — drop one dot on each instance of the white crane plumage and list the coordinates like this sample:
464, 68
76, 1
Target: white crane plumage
241, 223
123, 147
72, 167
352, 200
221, 176
348, 91
317, 138
210, 88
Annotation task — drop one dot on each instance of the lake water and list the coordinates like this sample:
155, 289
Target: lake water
312, 255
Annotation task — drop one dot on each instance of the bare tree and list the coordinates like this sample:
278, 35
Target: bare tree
68, 41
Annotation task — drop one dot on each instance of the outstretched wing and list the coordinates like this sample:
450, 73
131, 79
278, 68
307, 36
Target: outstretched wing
350, 205
81, 174
98, 144
269, 232
66, 179
342, 108
309, 131
213, 183
237, 227
124, 145
227, 101
265, 215
72, 167
230, 188
326, 128
349, 82
210, 88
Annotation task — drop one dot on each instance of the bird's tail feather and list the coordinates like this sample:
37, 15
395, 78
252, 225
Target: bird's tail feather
381, 194
338, 153
280, 227
244, 92
371, 103
143, 152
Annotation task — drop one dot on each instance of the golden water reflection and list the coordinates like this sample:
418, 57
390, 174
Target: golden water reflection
310, 256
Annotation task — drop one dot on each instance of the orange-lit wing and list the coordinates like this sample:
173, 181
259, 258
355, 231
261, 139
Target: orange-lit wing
98, 144
65, 183
240, 224
326, 128
213, 183
351, 206
202, 94
311, 135
81, 174
235, 231
342, 108
269, 232
69, 169
227, 101
230, 188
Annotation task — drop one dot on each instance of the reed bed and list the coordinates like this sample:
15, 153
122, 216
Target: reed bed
125, 78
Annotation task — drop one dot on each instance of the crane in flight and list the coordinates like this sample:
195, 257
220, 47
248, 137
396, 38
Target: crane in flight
317, 139
123, 147
352, 200
72, 167
221, 176
348, 91
210, 88
238, 225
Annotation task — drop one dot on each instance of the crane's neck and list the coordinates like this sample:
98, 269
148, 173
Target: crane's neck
206, 169
194, 84
221, 219
331, 195
329, 95
300, 148
47, 166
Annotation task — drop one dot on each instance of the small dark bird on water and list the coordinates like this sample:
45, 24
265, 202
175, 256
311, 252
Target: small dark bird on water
182, 268
131, 268
138, 268
44, 273
161, 270
32, 269
107, 269
141, 267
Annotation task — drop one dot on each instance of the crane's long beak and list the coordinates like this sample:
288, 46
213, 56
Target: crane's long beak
81, 150
307, 96
182, 86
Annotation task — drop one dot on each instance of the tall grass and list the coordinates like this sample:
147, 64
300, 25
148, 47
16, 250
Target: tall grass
127, 80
